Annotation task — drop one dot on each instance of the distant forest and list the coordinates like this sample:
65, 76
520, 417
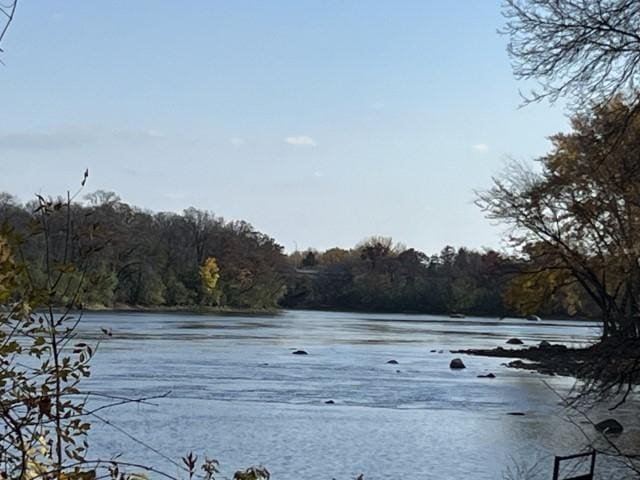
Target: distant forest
124, 256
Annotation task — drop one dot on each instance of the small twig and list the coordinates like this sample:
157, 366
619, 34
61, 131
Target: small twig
137, 440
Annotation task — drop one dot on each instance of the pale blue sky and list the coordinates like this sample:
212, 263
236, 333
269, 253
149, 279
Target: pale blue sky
320, 122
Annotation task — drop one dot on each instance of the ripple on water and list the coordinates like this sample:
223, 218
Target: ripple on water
237, 393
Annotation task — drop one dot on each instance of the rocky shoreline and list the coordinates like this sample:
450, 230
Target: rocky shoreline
545, 358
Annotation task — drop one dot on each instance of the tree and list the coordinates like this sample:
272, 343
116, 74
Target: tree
102, 197
209, 275
7, 12
334, 255
581, 214
45, 418
309, 260
44, 414
587, 50
577, 222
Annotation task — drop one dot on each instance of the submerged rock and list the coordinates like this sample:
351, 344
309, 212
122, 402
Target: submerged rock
516, 414
330, 402
392, 362
544, 344
299, 352
456, 363
609, 425
488, 375
515, 341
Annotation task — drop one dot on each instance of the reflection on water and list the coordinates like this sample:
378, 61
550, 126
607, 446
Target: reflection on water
239, 395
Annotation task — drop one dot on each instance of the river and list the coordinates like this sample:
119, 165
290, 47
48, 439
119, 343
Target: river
236, 393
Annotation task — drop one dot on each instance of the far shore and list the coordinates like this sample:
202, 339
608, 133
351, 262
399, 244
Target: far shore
192, 309
202, 309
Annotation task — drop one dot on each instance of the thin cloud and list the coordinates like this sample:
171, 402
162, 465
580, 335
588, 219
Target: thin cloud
74, 137
236, 141
132, 135
481, 147
301, 141
44, 140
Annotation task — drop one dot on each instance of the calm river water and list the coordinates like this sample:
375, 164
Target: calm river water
238, 394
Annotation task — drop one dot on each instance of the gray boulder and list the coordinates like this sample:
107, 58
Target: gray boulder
456, 364
515, 341
299, 352
609, 426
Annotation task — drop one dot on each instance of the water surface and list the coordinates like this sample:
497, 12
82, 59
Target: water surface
236, 393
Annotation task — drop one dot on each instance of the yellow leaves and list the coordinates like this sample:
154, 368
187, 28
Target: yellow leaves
36, 468
9, 348
528, 293
210, 274
137, 476
39, 463
79, 475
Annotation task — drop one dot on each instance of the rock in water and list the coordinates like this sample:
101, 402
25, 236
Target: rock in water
392, 362
330, 402
609, 425
544, 344
488, 375
456, 363
515, 341
300, 352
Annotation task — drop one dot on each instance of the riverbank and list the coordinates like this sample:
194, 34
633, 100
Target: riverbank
548, 360
202, 309
194, 309
444, 314
601, 361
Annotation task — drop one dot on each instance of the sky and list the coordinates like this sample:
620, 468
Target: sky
319, 122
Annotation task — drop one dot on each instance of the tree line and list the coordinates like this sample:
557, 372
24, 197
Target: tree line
141, 258
134, 257
377, 275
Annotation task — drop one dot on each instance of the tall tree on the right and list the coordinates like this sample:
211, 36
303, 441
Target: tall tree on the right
577, 224
585, 50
